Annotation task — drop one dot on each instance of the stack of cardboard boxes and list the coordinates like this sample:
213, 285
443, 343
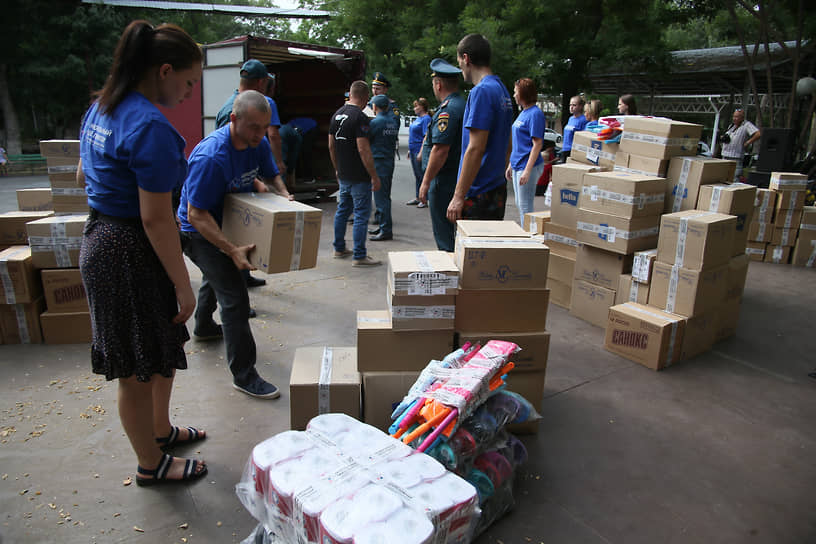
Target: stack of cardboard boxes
21, 299
804, 252
62, 157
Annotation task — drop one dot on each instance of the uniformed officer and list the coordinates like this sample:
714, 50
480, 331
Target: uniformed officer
379, 87
441, 151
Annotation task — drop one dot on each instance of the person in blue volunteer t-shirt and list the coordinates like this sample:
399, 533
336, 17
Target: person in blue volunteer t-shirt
526, 164
481, 190
416, 135
132, 267
233, 159
577, 122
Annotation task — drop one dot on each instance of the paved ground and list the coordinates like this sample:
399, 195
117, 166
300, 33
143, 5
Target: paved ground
719, 449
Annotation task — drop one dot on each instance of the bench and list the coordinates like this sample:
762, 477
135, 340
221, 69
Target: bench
27, 163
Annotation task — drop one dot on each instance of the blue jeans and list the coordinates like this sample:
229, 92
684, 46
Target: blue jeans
223, 283
525, 194
439, 196
416, 164
382, 198
353, 197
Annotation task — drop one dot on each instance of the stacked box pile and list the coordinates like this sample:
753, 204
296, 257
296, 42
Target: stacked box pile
618, 215
67, 194
503, 295
22, 300
760, 229
560, 234
804, 252
790, 189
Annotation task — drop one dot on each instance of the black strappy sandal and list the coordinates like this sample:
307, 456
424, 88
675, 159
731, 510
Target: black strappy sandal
172, 439
159, 474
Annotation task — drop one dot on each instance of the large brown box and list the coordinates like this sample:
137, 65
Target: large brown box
784, 237
687, 174
73, 200
501, 263
760, 232
764, 205
700, 333
790, 200
644, 335
55, 241
642, 265
601, 267
427, 273
534, 221
756, 250
687, 292
623, 194
501, 310
421, 313
560, 239
695, 239
587, 148
788, 181
630, 290
560, 293
323, 380
66, 327
535, 347
380, 348
64, 290
382, 392
787, 218
737, 276
18, 278
529, 385
34, 200
660, 138
777, 254
638, 164
565, 188
727, 319
560, 268
591, 302
59, 148
286, 234
804, 253
20, 323
477, 228
13, 226
737, 200
618, 234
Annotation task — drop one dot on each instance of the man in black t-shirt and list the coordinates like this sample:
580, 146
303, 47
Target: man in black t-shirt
351, 156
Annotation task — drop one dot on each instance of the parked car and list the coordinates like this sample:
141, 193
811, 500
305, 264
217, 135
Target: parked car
553, 136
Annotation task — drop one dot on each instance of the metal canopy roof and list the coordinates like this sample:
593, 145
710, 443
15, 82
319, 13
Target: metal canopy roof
720, 70
254, 11
272, 51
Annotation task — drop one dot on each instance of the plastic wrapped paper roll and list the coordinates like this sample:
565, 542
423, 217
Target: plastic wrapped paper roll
270, 452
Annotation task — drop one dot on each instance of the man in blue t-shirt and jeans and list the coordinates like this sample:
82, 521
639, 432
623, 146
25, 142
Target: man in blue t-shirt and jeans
233, 159
481, 188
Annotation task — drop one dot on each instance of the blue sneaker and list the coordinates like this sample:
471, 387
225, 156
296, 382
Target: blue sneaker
258, 388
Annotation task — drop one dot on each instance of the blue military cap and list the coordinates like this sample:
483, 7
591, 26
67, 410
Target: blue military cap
380, 79
381, 101
442, 68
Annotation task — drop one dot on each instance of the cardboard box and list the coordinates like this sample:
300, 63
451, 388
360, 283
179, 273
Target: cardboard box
501, 263
20, 323
591, 302
13, 226
561, 293
760, 232
790, 200
18, 279
687, 174
695, 239
617, 234
380, 348
529, 385
55, 241
428, 273
777, 254
737, 200
587, 148
421, 313
788, 181
727, 319
562, 240
804, 253
534, 221
631, 291
644, 335
73, 201
784, 237
764, 205
66, 327
502, 311
473, 228
687, 292
642, 265
286, 233
535, 347
64, 290
566, 183
323, 380
601, 267
737, 276
382, 392
623, 194
34, 200
700, 333
659, 137
59, 148
756, 250
638, 164
787, 219
560, 268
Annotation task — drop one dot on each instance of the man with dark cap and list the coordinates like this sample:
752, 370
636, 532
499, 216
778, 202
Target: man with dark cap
440, 151
379, 87
383, 134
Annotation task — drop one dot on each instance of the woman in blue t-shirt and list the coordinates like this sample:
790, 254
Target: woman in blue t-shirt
139, 293
576, 123
416, 134
526, 163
